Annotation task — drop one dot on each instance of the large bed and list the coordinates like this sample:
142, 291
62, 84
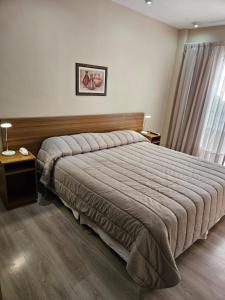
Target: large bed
147, 202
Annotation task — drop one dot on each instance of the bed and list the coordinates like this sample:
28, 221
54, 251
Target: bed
147, 202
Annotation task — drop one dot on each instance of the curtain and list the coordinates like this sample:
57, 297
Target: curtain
212, 143
198, 121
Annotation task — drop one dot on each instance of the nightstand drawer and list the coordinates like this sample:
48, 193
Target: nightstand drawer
156, 139
153, 137
19, 167
21, 189
18, 184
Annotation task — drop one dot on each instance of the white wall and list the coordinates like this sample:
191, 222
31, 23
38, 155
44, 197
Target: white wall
40, 41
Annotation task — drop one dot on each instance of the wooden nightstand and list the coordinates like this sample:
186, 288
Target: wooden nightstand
153, 137
18, 185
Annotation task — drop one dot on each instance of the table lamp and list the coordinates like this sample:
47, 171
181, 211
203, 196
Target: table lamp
146, 124
7, 152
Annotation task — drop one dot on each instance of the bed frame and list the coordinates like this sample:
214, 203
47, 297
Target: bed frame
30, 132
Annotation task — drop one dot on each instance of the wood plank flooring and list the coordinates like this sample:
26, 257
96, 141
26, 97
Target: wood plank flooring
46, 255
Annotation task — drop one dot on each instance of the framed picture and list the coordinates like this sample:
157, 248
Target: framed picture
91, 80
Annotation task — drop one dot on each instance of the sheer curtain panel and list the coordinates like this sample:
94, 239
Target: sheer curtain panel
198, 119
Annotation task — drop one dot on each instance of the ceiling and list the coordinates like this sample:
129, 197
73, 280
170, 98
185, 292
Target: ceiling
179, 13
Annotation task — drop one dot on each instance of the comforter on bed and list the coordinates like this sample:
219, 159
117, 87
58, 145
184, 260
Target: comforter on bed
154, 201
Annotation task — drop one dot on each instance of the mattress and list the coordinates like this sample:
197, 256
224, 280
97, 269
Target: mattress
153, 201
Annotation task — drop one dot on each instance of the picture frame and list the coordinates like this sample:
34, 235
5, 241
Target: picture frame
91, 80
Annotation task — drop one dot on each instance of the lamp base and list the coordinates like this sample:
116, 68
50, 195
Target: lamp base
8, 152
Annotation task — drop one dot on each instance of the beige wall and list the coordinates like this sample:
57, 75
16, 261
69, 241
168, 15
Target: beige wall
211, 34
42, 39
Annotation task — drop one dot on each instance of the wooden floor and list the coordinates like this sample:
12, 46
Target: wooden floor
46, 254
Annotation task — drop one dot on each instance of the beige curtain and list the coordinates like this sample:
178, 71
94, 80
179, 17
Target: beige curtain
212, 143
195, 96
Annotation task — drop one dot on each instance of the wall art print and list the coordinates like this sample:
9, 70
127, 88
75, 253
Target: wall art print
91, 80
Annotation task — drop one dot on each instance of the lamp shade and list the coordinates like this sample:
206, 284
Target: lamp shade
6, 125
146, 126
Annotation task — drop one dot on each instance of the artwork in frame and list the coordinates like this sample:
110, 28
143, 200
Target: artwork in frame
91, 80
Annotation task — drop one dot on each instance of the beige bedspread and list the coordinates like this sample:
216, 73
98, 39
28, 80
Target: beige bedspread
154, 201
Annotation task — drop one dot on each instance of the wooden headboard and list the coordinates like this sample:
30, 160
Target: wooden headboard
30, 132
